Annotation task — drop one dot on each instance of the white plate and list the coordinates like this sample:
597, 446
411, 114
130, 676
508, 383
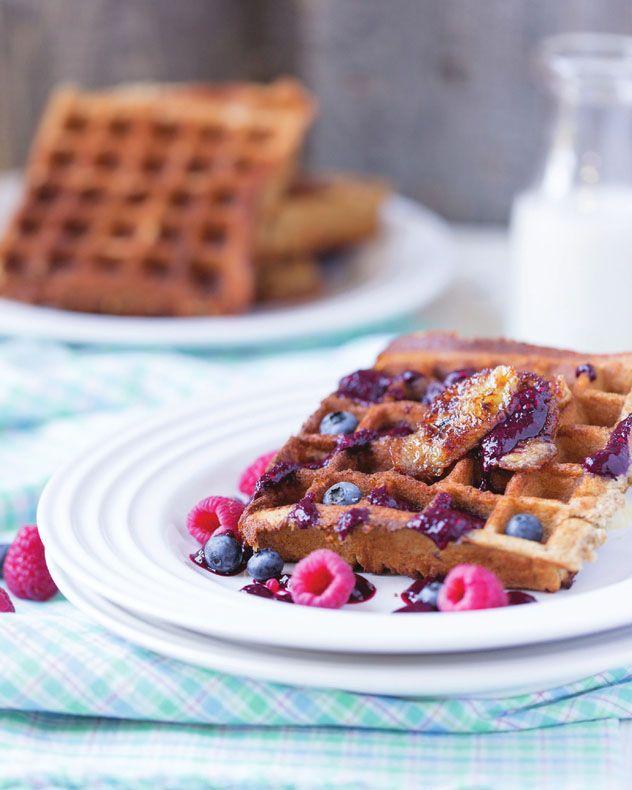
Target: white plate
402, 270
114, 520
513, 671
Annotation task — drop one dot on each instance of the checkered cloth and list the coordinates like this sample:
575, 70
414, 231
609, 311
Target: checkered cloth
81, 708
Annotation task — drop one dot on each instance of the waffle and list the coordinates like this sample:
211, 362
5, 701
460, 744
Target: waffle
321, 215
293, 279
382, 531
144, 201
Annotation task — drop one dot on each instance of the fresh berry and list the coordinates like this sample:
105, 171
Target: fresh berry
364, 385
430, 593
6, 604
4, 548
342, 494
250, 477
265, 564
273, 585
526, 526
224, 554
25, 570
213, 513
338, 422
322, 579
586, 369
469, 587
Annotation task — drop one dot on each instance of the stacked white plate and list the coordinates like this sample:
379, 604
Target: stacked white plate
113, 522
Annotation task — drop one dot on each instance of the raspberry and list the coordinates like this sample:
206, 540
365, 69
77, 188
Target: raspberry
251, 475
214, 513
471, 587
25, 570
6, 604
322, 579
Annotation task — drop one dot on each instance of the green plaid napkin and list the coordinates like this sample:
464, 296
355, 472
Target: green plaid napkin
80, 707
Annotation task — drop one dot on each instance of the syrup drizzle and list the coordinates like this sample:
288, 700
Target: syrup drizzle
613, 460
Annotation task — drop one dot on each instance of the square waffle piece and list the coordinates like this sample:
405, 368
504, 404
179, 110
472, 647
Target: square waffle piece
449, 439
144, 200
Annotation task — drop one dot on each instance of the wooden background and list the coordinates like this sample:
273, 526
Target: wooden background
436, 95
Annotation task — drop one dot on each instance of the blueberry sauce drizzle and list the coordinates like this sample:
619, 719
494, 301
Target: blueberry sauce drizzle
304, 513
517, 597
276, 474
372, 386
382, 497
400, 428
363, 590
350, 520
526, 418
586, 369
443, 523
458, 375
354, 442
412, 593
613, 460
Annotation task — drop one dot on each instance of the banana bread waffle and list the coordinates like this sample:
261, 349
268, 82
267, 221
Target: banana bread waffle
144, 200
424, 520
321, 215
291, 279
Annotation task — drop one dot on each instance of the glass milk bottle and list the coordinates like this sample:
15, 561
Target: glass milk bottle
571, 233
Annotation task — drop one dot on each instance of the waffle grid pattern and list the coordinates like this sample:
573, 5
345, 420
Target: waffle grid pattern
142, 201
572, 505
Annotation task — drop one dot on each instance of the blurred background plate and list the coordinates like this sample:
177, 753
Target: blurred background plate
401, 271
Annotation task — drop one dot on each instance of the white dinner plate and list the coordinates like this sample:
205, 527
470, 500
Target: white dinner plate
114, 520
482, 673
403, 269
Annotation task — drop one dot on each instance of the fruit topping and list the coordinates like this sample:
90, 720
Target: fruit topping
4, 548
25, 571
523, 440
424, 591
458, 375
355, 442
6, 604
223, 554
444, 523
304, 513
368, 386
525, 526
265, 564
399, 428
350, 520
342, 494
322, 579
613, 460
382, 497
587, 370
276, 474
337, 422
363, 590
456, 421
517, 597
434, 389
212, 513
468, 587
251, 475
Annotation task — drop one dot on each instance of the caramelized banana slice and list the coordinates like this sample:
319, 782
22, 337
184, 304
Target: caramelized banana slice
456, 422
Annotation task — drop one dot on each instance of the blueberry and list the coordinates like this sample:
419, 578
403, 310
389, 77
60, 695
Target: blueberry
338, 422
4, 547
265, 564
342, 494
223, 554
526, 526
430, 593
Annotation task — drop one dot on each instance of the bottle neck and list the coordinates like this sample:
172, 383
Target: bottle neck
590, 146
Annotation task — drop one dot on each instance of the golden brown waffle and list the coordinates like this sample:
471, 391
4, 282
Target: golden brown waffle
294, 279
144, 201
320, 215
572, 504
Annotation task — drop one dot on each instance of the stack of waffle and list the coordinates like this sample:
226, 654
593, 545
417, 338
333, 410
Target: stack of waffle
176, 200
454, 437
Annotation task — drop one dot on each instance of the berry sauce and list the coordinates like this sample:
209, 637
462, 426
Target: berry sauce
364, 385
199, 559
614, 459
458, 375
412, 593
588, 369
276, 474
417, 606
517, 597
304, 513
357, 441
526, 418
351, 519
435, 388
400, 428
363, 590
383, 498
443, 523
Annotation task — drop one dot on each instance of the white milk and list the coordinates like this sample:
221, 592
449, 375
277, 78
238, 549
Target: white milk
572, 266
